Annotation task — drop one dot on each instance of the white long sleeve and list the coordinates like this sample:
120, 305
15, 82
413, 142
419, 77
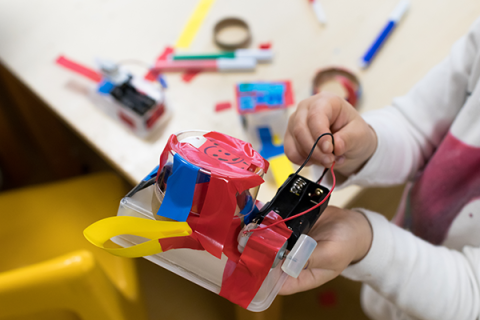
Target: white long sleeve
407, 277
421, 280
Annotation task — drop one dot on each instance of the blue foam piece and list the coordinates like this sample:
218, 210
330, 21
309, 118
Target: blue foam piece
249, 217
248, 206
105, 87
178, 199
269, 150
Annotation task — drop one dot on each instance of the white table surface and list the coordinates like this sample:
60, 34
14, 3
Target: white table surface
34, 33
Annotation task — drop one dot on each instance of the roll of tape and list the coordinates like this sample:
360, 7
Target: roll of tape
227, 23
346, 78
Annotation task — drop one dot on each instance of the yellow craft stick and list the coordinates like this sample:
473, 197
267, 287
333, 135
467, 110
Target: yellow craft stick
281, 168
193, 24
101, 231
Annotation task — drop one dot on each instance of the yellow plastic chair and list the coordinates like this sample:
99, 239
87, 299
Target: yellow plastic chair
46, 265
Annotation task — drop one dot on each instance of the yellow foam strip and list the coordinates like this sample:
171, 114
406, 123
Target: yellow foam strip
277, 141
193, 24
281, 168
101, 231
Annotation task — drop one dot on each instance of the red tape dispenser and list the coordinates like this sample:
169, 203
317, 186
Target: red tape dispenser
195, 214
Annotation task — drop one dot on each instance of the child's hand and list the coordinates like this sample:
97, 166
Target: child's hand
355, 140
343, 237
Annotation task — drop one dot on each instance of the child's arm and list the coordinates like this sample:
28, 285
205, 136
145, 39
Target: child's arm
421, 280
411, 277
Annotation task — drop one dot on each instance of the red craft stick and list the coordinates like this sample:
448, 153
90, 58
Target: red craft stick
265, 45
78, 68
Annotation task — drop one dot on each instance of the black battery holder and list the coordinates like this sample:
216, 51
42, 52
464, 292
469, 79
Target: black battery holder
131, 98
296, 195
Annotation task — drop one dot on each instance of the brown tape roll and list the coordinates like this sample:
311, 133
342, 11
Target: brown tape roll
345, 77
231, 22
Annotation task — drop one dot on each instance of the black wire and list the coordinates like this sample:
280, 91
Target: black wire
323, 174
333, 151
313, 149
142, 185
267, 208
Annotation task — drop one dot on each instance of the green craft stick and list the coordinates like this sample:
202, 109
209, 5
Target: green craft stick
207, 56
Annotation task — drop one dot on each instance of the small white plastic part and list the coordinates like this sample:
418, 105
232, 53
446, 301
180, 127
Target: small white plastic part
299, 255
111, 70
242, 238
319, 12
261, 55
237, 64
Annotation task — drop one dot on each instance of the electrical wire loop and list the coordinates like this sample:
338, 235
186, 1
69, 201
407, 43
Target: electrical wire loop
267, 209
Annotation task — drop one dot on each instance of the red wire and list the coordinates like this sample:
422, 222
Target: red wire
303, 212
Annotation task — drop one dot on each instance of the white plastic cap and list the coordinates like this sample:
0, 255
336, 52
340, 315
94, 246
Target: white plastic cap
298, 257
399, 10
261, 55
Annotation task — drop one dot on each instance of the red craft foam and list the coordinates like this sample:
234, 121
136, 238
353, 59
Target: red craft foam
266, 45
165, 54
152, 75
221, 106
189, 75
289, 94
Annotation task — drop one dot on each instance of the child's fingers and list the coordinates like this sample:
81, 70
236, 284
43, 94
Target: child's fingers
291, 150
318, 123
328, 113
326, 262
307, 279
348, 138
300, 133
339, 144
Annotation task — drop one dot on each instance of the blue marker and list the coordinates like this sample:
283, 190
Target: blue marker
394, 19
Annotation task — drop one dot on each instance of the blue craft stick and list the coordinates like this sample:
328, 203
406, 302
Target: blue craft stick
394, 19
